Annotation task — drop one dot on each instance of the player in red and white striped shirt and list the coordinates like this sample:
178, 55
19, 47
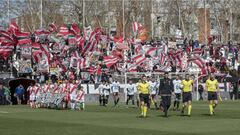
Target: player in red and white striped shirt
80, 98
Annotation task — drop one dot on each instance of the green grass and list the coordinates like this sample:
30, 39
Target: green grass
96, 120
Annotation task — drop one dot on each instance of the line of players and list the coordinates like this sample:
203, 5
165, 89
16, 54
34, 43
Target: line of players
74, 94
177, 87
146, 92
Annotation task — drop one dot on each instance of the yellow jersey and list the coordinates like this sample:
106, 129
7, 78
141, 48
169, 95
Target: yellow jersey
211, 85
144, 88
187, 85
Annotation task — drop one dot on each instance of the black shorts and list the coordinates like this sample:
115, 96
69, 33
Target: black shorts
153, 96
115, 93
187, 96
177, 96
144, 98
212, 95
130, 97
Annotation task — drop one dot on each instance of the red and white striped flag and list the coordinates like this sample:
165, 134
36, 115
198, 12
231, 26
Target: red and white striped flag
151, 51
6, 35
52, 27
162, 58
75, 29
13, 27
110, 60
136, 27
139, 59
64, 31
82, 63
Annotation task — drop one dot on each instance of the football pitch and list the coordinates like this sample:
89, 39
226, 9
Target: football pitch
96, 120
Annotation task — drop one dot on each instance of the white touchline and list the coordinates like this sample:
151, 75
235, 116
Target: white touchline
3, 112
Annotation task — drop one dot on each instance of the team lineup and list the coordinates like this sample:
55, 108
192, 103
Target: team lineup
145, 92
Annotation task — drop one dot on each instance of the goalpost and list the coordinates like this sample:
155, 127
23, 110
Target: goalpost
135, 76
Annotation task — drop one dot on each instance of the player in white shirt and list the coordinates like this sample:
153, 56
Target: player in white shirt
100, 89
131, 88
38, 91
154, 85
177, 92
80, 98
115, 88
106, 92
73, 94
32, 95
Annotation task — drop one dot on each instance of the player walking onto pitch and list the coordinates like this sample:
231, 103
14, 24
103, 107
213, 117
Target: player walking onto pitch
213, 91
144, 90
154, 85
165, 90
177, 92
187, 94
101, 92
130, 92
106, 92
80, 99
115, 88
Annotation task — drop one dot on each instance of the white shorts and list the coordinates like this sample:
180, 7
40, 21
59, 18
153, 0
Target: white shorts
32, 97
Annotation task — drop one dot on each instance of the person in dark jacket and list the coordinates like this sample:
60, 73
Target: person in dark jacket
165, 91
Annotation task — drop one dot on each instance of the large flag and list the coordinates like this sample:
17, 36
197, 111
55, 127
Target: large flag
92, 41
36, 52
64, 31
110, 60
139, 59
6, 35
5, 51
23, 37
150, 51
13, 27
75, 29
162, 58
52, 27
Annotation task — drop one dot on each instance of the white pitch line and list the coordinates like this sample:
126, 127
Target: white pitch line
3, 112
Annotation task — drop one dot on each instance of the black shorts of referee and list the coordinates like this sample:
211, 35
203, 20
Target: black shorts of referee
212, 95
144, 98
187, 96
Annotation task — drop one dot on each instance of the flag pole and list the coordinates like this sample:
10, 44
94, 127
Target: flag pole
152, 17
41, 23
109, 24
123, 19
83, 13
8, 11
205, 22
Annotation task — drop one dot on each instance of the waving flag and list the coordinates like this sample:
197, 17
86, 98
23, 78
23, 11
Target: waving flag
110, 60
150, 51
139, 59
64, 31
75, 29
136, 27
6, 35
52, 27
13, 27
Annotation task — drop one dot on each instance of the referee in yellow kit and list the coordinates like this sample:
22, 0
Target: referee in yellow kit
212, 89
187, 94
144, 93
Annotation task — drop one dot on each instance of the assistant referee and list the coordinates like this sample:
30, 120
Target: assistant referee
212, 89
144, 90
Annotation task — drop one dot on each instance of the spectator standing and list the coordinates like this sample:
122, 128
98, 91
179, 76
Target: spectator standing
19, 93
7, 94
